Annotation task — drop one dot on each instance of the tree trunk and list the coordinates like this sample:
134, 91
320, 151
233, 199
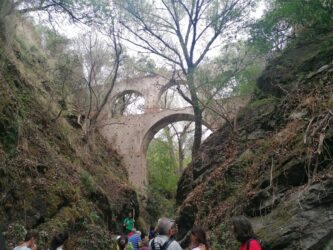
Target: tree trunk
180, 156
197, 112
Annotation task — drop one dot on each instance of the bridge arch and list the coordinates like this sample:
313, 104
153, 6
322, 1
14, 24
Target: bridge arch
117, 96
157, 126
168, 85
130, 135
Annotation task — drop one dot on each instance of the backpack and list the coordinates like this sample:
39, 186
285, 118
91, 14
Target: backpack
264, 245
164, 246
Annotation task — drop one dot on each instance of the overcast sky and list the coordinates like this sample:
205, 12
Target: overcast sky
73, 31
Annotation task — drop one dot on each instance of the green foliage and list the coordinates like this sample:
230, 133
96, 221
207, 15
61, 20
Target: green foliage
159, 205
286, 19
87, 181
20, 230
52, 40
162, 167
217, 238
86, 11
138, 67
94, 217
9, 129
163, 178
264, 101
233, 72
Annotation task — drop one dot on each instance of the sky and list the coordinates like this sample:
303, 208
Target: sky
74, 31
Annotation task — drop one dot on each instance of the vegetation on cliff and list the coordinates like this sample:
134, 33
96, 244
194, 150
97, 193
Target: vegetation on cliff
52, 179
277, 167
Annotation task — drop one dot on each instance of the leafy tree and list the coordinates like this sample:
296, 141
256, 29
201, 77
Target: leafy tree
232, 73
182, 32
164, 171
162, 167
101, 60
139, 66
86, 11
285, 19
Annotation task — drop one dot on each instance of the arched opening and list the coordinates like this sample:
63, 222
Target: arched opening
167, 146
170, 97
127, 103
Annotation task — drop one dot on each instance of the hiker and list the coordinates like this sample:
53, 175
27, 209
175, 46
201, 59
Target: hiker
198, 239
128, 223
244, 234
144, 244
135, 240
29, 241
162, 240
58, 241
131, 233
151, 232
174, 230
122, 242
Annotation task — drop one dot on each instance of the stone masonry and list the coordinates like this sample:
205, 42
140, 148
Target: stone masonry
131, 135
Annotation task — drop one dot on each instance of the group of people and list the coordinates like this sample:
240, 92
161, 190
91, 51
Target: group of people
30, 241
164, 237
161, 238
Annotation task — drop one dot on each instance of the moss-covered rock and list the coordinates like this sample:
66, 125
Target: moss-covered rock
277, 168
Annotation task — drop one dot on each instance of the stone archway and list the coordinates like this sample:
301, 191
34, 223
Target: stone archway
116, 102
151, 132
130, 135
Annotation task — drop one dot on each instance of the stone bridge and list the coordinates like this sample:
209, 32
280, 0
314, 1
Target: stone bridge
131, 135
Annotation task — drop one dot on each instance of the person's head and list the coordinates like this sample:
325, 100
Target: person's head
198, 236
242, 229
58, 240
31, 237
138, 233
122, 242
130, 215
174, 228
163, 226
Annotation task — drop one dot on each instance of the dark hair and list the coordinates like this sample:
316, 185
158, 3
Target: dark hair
122, 242
242, 229
31, 234
58, 240
200, 235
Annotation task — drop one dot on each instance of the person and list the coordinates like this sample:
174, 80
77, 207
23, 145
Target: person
130, 234
128, 223
198, 239
29, 241
244, 233
144, 244
122, 242
174, 230
58, 241
162, 241
135, 240
151, 232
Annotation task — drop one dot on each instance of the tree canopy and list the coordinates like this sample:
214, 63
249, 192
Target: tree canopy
182, 33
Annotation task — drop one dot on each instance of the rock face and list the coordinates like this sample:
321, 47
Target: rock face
277, 167
50, 179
